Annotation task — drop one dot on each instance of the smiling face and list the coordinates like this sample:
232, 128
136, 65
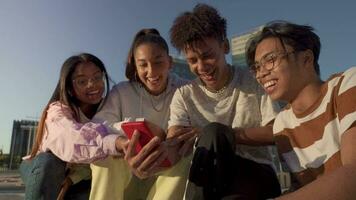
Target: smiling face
88, 84
285, 79
152, 65
207, 61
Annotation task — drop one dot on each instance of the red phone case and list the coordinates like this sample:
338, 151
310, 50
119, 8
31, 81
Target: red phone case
145, 136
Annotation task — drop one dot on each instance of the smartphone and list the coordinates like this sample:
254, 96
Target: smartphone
145, 136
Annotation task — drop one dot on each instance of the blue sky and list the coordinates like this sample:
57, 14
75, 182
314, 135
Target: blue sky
37, 36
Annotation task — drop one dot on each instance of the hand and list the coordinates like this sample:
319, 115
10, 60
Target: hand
121, 144
65, 186
189, 140
180, 140
145, 163
156, 130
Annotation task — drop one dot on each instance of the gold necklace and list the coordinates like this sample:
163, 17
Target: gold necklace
222, 90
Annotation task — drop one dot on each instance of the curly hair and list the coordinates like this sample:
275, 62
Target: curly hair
189, 28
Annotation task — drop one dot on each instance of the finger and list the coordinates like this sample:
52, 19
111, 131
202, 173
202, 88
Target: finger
184, 136
187, 136
157, 163
147, 167
187, 147
169, 142
151, 159
179, 131
131, 151
137, 160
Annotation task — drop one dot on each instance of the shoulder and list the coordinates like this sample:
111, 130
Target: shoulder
190, 87
343, 81
57, 110
124, 86
284, 119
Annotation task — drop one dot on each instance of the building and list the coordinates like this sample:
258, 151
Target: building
238, 46
22, 139
181, 68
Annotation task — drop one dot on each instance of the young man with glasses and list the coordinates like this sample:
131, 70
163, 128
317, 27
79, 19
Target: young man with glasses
221, 98
316, 132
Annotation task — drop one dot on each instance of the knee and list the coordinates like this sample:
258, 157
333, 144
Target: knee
217, 131
214, 130
48, 163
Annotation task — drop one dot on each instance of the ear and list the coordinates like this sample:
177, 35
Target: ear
226, 46
308, 58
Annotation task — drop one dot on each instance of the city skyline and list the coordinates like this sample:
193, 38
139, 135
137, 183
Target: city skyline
37, 36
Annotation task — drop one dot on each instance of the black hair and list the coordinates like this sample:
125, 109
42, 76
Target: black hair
150, 35
299, 37
190, 28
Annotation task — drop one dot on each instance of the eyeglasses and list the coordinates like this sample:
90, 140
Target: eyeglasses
82, 81
269, 62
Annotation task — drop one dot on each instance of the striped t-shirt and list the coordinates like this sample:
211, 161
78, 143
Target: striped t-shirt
310, 142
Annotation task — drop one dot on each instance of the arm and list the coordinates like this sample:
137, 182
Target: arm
338, 185
180, 140
77, 142
181, 134
256, 136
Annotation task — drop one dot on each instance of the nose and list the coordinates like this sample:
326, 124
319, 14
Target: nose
201, 66
262, 72
90, 83
151, 70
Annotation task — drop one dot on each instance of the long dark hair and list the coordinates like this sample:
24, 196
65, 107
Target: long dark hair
150, 35
64, 90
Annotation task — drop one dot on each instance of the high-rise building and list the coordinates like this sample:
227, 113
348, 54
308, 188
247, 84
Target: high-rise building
22, 139
238, 46
181, 68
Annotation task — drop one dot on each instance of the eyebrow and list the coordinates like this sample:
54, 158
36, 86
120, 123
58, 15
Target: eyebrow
157, 57
207, 52
82, 75
267, 54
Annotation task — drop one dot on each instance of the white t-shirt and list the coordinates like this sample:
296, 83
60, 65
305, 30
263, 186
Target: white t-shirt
243, 103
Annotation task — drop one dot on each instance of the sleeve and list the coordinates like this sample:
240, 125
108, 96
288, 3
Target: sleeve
79, 172
76, 142
269, 108
346, 100
110, 113
178, 111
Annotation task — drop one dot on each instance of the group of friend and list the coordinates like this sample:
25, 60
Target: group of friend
217, 128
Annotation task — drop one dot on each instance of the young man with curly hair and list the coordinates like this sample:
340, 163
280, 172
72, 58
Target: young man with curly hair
221, 99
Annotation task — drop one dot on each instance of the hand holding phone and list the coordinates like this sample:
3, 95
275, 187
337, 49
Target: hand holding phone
145, 136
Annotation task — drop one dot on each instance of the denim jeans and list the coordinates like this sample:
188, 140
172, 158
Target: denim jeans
43, 176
